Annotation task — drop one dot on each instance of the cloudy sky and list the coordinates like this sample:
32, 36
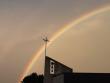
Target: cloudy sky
24, 22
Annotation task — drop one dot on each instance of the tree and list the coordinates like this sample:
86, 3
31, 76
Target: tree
33, 78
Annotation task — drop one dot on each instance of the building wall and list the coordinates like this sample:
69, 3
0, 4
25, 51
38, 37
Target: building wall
58, 79
53, 68
86, 77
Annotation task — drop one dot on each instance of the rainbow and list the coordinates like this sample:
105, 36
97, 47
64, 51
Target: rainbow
59, 33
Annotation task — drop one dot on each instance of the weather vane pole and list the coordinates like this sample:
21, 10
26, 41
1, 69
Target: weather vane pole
46, 41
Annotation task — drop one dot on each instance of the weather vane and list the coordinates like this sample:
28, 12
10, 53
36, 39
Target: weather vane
46, 41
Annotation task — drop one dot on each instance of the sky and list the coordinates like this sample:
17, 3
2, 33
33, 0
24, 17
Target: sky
23, 23
84, 47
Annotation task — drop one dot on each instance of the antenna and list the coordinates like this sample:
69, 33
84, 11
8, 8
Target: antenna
46, 41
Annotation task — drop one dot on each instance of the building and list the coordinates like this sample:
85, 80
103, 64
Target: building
56, 72
54, 68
